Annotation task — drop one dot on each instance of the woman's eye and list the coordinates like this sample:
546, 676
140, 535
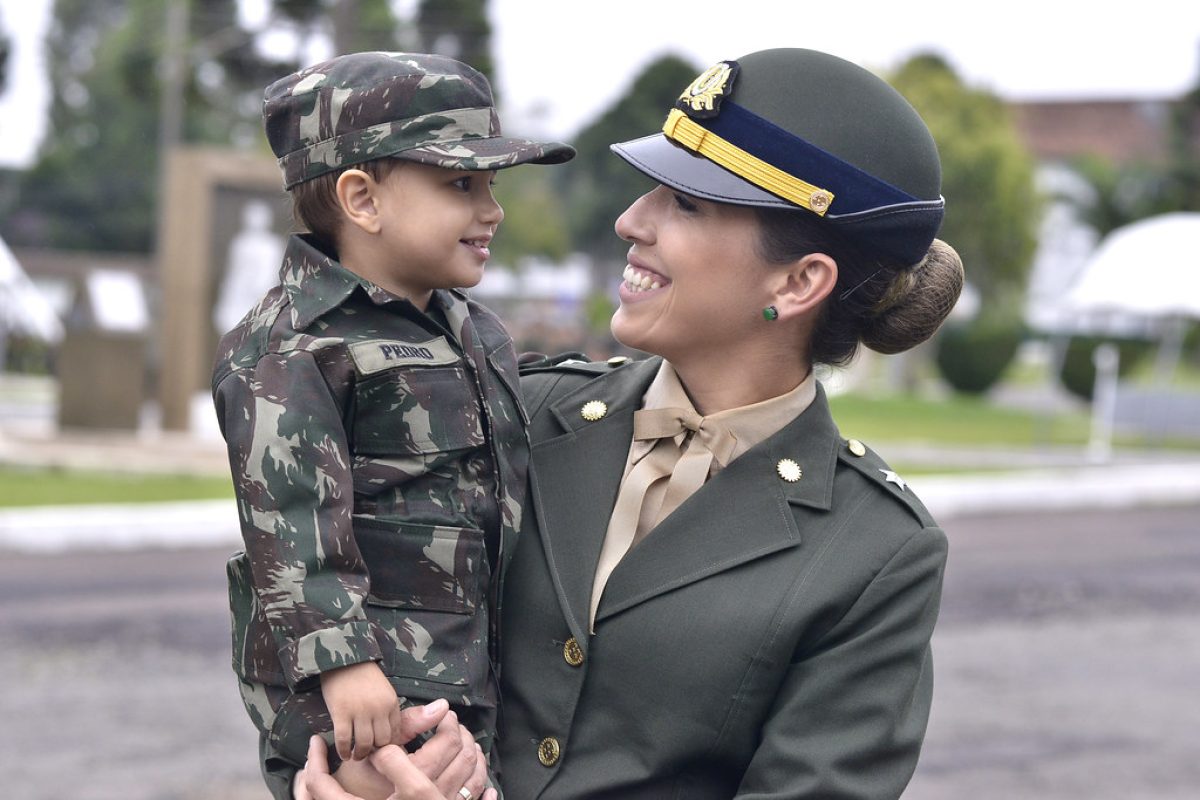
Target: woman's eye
685, 203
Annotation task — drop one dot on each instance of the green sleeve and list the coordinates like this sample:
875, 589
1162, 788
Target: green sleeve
851, 713
290, 461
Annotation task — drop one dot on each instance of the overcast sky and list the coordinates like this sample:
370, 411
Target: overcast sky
561, 62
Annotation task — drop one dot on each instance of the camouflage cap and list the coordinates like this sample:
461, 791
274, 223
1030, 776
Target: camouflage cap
418, 107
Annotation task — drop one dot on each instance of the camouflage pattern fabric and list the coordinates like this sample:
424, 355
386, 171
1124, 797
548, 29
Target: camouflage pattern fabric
418, 107
379, 461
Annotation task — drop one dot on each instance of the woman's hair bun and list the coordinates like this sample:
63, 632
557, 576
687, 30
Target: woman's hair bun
917, 302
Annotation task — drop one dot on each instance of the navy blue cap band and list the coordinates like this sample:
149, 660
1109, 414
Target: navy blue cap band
854, 190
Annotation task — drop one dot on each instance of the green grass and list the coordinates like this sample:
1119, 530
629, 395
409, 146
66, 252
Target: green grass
953, 421
36, 487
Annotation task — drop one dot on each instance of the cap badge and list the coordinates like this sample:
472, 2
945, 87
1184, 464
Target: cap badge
703, 98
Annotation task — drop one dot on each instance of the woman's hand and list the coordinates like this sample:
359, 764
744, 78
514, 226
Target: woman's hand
446, 764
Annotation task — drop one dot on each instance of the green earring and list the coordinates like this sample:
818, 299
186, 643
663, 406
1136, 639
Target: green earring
770, 313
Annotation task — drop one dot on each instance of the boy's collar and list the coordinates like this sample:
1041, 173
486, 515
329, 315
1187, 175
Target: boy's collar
316, 284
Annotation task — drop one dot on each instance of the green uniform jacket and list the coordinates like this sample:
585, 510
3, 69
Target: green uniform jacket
769, 639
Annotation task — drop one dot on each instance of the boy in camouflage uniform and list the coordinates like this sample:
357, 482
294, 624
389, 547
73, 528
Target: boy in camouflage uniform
372, 415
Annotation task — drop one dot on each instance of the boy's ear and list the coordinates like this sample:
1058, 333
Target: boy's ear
355, 191
804, 285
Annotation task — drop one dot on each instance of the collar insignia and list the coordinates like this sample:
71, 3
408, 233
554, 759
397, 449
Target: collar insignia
703, 98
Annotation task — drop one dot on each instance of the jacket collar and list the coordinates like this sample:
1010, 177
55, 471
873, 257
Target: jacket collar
577, 474
316, 284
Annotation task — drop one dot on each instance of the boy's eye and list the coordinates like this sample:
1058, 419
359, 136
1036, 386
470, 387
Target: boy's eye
685, 203
465, 182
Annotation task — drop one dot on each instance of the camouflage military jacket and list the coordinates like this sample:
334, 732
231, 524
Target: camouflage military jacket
377, 457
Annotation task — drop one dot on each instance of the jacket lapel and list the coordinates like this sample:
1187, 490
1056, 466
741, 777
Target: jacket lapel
742, 514
574, 481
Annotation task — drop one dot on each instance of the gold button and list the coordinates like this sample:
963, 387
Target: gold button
572, 652
593, 410
617, 361
548, 751
819, 201
789, 470
856, 447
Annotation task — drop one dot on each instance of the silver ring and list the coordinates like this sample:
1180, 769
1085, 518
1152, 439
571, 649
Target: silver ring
465, 793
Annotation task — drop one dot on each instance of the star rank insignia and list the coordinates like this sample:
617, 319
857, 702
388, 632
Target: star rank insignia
891, 477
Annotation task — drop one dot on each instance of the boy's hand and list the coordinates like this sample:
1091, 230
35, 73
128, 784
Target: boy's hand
363, 706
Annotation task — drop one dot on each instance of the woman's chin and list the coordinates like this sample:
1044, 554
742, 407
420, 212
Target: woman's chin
625, 330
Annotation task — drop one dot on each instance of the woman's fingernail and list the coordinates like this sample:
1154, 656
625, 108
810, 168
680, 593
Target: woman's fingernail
436, 707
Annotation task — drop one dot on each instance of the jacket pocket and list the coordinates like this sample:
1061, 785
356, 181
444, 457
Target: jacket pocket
426, 567
427, 605
416, 410
255, 653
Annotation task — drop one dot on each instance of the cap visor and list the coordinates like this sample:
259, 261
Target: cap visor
680, 169
495, 152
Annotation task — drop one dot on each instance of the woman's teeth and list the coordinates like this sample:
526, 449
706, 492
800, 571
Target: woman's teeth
636, 281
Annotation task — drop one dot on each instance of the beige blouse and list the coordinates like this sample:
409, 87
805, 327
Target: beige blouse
671, 448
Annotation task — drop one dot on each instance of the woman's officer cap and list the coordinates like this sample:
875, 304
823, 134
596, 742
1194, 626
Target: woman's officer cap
803, 129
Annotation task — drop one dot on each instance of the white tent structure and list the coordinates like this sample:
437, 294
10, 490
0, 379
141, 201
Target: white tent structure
23, 309
1149, 268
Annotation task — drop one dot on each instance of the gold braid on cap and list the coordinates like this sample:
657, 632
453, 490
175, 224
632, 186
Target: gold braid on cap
680, 128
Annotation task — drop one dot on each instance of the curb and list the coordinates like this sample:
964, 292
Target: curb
214, 523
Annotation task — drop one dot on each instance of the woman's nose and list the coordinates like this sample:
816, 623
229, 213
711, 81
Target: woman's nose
633, 224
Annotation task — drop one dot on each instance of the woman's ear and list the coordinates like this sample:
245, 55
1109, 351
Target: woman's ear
355, 191
804, 284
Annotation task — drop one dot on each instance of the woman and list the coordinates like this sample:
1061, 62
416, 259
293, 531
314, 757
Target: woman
714, 593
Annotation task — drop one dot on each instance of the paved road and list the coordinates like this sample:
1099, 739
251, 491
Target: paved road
1068, 666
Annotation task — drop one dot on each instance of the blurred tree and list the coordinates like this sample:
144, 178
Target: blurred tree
535, 221
459, 29
992, 209
5, 51
1126, 192
598, 184
1183, 169
95, 181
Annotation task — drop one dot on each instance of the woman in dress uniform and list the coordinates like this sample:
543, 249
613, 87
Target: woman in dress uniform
715, 594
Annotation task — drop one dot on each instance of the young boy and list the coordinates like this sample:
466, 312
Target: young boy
371, 412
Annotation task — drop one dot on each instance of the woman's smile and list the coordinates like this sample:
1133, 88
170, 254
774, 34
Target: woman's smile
638, 282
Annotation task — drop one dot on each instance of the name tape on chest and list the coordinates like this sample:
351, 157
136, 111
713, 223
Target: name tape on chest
376, 355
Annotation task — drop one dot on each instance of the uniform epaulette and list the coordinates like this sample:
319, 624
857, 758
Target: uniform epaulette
857, 455
530, 363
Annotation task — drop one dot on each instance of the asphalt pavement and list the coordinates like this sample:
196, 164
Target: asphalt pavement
1067, 664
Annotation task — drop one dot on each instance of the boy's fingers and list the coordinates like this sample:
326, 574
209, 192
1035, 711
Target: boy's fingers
364, 738
343, 736
381, 730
